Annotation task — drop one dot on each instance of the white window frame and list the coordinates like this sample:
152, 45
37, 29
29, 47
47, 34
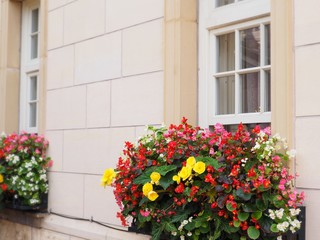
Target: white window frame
29, 67
214, 21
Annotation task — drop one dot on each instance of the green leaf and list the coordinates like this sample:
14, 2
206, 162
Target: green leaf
166, 181
274, 228
243, 238
236, 223
222, 200
249, 165
209, 161
265, 224
261, 204
190, 226
157, 229
249, 207
253, 233
145, 177
243, 216
256, 215
244, 196
230, 208
143, 200
163, 170
230, 229
170, 227
180, 216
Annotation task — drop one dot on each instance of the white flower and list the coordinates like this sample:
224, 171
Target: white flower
271, 214
190, 219
292, 153
174, 233
185, 222
189, 234
279, 213
182, 237
294, 212
282, 226
279, 238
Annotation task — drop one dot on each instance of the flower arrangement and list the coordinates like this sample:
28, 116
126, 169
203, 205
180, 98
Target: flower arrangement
23, 168
187, 183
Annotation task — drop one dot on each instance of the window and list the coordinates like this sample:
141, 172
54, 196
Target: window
220, 3
234, 59
29, 82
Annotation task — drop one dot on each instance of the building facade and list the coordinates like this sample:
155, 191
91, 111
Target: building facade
90, 74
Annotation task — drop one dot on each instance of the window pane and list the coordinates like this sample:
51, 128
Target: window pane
226, 50
33, 88
35, 20
226, 95
32, 114
223, 2
34, 46
250, 92
268, 91
267, 47
250, 47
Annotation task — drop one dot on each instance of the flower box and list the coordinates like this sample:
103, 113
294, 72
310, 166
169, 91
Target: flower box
23, 171
188, 183
16, 203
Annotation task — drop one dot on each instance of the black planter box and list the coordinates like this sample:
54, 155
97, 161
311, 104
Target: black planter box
16, 204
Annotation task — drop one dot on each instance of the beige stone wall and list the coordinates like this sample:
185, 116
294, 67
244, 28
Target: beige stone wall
307, 111
105, 77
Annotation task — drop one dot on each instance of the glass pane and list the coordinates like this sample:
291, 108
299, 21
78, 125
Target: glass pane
33, 88
34, 46
267, 47
250, 47
225, 95
226, 45
250, 92
268, 91
223, 2
35, 20
32, 114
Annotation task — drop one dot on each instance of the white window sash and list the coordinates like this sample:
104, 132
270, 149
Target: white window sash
29, 67
219, 21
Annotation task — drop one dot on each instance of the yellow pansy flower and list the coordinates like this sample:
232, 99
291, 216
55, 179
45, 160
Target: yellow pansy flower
176, 178
147, 187
1, 178
152, 195
191, 161
155, 177
199, 167
185, 172
108, 176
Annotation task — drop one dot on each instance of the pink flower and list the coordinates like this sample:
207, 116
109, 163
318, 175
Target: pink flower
211, 151
284, 172
144, 213
267, 131
23, 138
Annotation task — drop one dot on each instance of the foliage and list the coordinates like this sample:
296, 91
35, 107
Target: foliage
189, 183
23, 167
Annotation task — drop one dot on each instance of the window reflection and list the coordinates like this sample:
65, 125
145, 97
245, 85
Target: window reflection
226, 95
250, 47
250, 92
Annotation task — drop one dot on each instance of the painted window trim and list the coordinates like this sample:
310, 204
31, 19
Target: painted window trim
29, 67
214, 21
